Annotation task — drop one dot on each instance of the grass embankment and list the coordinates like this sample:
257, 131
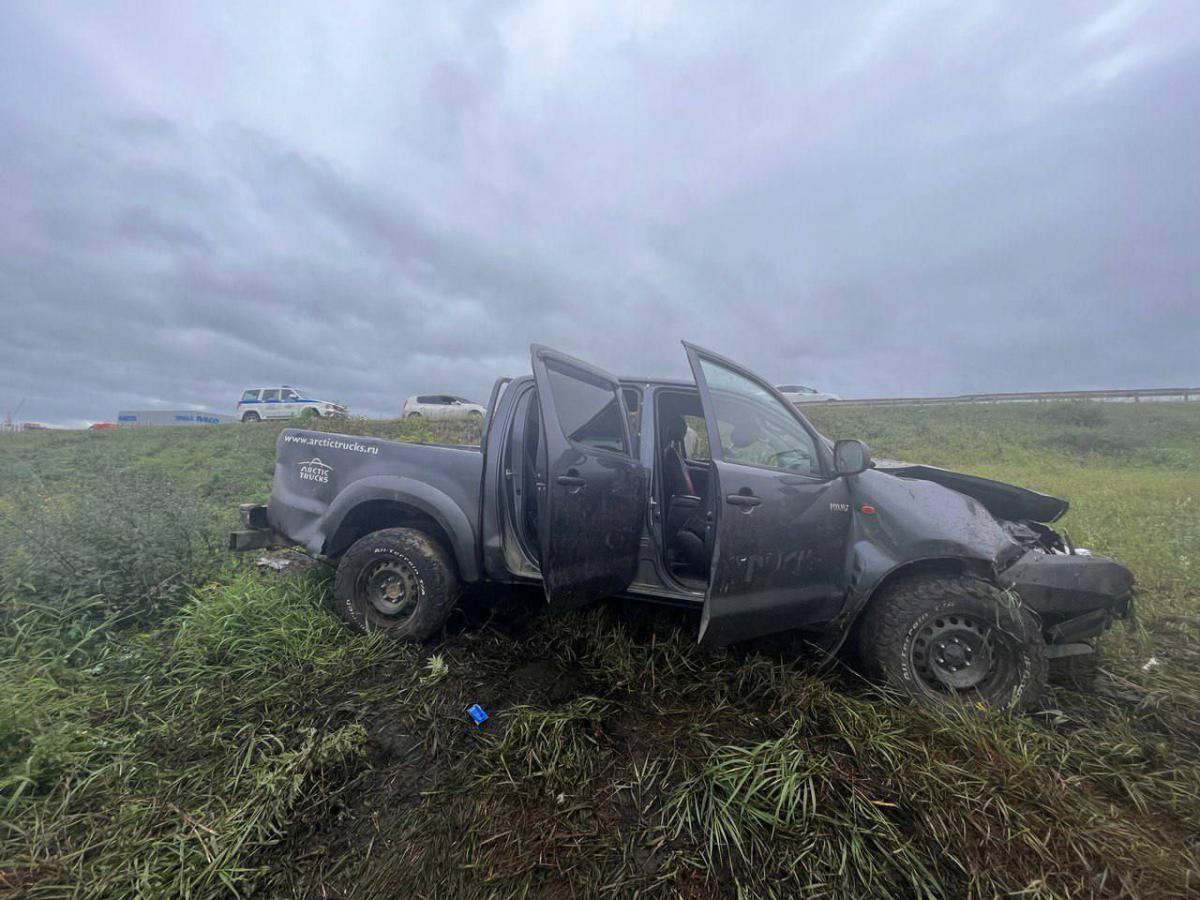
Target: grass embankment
172, 723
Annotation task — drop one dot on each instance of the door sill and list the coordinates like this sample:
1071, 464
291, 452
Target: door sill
658, 592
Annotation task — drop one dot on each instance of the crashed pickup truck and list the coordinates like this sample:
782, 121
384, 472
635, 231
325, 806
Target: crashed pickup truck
714, 493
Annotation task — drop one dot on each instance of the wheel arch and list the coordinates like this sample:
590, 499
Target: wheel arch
934, 565
364, 509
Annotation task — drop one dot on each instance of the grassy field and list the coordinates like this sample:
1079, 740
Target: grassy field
174, 722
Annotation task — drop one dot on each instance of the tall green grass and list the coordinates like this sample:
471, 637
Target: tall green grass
170, 762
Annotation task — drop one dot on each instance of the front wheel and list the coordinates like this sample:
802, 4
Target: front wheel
955, 641
398, 581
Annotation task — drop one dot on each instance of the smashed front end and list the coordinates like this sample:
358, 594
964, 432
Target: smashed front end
1076, 595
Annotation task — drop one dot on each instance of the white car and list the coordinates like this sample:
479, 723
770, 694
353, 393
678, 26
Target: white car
282, 403
799, 393
441, 406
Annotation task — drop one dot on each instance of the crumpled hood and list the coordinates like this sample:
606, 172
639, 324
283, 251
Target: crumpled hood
1004, 501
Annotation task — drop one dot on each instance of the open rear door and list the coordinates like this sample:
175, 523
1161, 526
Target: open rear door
779, 520
592, 496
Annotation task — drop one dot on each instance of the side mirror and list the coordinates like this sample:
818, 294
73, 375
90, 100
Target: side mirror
851, 457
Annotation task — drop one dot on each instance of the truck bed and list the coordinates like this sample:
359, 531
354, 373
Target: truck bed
324, 483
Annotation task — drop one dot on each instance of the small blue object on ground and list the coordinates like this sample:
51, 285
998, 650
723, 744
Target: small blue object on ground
476, 712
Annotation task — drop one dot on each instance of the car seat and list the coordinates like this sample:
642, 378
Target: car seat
686, 519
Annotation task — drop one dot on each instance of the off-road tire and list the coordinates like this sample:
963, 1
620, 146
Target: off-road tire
251, 417
421, 565
414, 416
901, 620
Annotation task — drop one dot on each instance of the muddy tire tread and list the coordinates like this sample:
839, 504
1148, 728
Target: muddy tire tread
889, 618
434, 569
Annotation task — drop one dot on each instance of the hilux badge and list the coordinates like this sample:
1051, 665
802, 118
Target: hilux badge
839, 507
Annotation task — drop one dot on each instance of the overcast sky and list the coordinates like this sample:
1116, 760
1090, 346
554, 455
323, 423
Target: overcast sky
376, 200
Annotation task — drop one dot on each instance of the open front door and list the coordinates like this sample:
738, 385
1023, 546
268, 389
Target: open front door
779, 521
592, 494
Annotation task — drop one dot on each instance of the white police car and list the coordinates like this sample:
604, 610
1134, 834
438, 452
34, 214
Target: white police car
281, 403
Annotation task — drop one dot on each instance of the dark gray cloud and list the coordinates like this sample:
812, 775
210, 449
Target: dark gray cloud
383, 199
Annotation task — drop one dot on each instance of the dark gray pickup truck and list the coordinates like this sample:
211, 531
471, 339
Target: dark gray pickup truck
715, 493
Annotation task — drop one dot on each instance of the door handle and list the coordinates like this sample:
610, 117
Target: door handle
571, 480
742, 500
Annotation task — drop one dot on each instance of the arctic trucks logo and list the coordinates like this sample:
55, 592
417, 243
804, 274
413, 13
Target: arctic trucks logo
314, 470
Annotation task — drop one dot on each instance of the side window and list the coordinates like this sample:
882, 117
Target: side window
754, 428
589, 409
249, 396
290, 395
268, 396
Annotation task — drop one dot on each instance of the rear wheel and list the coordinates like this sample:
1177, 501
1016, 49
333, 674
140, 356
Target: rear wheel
251, 417
955, 641
398, 581
414, 415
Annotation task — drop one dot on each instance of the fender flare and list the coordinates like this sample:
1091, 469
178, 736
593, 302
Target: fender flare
871, 569
970, 564
436, 504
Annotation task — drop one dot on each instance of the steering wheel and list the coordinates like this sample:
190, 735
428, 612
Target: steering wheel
798, 459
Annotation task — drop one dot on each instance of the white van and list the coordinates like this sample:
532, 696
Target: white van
282, 403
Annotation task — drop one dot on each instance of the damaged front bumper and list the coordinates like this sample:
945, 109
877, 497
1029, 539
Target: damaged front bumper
1077, 597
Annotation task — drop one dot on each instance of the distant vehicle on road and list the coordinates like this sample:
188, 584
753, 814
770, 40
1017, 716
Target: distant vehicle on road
102, 426
169, 418
441, 406
799, 393
282, 403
